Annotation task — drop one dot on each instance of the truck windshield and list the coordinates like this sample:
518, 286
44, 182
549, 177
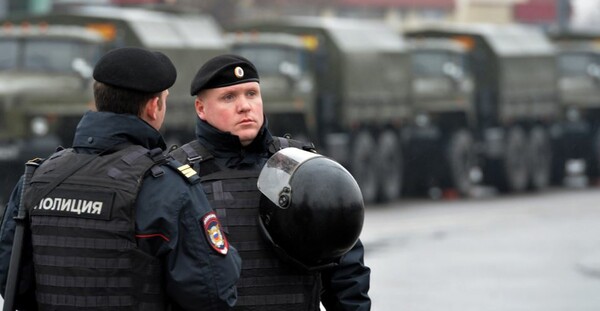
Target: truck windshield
9, 55
437, 64
427, 63
45, 55
273, 60
37, 58
575, 64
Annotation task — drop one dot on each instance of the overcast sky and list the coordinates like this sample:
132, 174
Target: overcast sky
586, 14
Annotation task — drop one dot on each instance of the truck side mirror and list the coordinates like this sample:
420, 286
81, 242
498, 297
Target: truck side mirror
593, 70
290, 70
82, 67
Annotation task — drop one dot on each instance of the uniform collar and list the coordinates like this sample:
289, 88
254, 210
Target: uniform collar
224, 144
102, 130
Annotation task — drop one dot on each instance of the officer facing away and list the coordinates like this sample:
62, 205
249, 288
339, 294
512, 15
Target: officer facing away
114, 224
232, 146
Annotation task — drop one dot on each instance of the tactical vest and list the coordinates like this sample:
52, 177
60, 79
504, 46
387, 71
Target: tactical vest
83, 234
266, 283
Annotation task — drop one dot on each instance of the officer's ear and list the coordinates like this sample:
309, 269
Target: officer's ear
150, 110
199, 104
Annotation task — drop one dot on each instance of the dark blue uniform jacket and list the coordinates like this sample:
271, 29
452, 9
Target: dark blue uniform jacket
168, 223
346, 286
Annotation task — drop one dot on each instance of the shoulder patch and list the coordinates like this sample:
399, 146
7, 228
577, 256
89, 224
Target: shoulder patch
214, 234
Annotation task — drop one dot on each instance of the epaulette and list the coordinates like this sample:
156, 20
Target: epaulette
184, 170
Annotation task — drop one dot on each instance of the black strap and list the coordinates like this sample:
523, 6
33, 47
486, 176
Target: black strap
195, 152
228, 174
263, 300
12, 279
285, 142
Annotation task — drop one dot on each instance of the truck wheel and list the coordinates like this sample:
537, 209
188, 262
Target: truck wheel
515, 162
460, 158
593, 163
558, 162
540, 157
364, 168
389, 166
510, 172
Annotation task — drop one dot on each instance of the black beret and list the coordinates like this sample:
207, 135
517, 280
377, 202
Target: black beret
223, 70
136, 69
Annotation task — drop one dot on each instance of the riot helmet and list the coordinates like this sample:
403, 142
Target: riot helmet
311, 208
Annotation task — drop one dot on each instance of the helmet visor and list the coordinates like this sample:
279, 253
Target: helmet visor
274, 179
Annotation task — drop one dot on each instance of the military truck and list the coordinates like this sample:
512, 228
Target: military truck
515, 98
287, 79
42, 93
46, 67
442, 147
188, 38
578, 135
362, 90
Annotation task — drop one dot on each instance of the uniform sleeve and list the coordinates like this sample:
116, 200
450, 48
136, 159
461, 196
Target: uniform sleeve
198, 276
25, 299
7, 231
346, 286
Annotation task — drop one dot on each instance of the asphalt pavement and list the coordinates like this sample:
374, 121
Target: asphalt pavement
529, 252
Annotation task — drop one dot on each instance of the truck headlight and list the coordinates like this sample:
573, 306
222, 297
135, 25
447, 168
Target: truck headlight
422, 120
573, 114
39, 126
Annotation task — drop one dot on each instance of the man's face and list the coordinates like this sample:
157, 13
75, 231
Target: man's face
236, 109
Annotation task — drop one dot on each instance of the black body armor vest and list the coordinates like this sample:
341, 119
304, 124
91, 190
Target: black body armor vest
266, 282
83, 234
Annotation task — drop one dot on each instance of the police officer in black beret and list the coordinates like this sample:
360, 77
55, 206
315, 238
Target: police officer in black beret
114, 224
232, 145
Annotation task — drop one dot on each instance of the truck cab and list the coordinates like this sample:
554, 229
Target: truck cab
188, 38
515, 99
578, 136
42, 94
442, 98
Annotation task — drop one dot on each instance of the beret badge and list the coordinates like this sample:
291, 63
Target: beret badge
238, 72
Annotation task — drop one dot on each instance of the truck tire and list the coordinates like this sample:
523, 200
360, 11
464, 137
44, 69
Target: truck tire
460, 161
509, 174
389, 166
558, 162
593, 162
364, 166
516, 163
540, 158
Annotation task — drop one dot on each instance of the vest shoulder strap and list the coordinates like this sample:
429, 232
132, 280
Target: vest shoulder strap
160, 160
192, 153
285, 142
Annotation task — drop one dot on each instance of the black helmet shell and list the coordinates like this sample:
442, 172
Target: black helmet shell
318, 213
